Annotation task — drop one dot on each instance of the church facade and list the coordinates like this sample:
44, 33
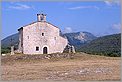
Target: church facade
41, 37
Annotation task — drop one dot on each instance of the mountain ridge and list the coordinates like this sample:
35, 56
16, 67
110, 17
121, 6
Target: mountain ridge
79, 38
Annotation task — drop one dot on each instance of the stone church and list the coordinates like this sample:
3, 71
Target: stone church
41, 37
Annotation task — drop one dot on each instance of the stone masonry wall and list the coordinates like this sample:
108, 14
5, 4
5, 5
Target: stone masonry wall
32, 38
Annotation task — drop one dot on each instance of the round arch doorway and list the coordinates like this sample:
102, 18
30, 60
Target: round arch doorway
45, 51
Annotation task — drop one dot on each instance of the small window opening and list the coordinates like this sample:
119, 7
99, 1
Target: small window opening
41, 18
28, 37
42, 34
55, 38
37, 48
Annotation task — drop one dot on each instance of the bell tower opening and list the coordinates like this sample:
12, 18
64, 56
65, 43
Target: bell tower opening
41, 17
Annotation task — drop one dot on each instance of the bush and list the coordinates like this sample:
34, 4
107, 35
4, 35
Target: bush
5, 50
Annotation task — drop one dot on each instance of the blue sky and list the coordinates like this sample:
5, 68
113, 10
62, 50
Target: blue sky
97, 17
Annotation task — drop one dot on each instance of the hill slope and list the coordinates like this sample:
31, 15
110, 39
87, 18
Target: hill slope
109, 45
6, 42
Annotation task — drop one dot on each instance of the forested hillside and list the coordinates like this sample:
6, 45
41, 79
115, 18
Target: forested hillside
109, 45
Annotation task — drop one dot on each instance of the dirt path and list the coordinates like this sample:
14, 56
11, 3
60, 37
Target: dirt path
81, 67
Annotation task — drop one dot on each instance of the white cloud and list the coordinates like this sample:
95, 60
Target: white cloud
108, 3
84, 7
67, 30
112, 2
116, 26
20, 7
113, 29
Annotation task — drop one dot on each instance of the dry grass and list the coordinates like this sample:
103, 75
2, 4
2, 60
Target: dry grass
80, 67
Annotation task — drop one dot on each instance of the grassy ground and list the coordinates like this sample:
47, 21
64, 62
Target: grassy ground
80, 67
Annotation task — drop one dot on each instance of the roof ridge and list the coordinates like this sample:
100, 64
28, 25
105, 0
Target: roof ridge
36, 22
